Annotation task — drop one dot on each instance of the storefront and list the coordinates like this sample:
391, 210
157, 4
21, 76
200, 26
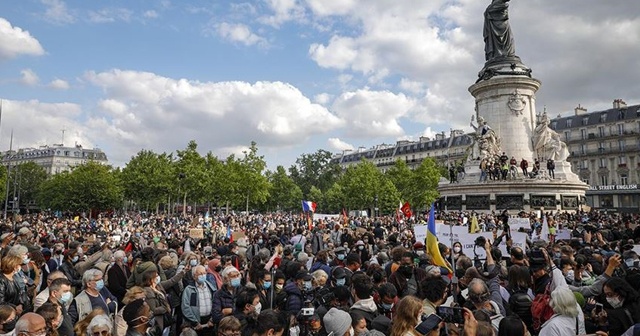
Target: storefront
623, 198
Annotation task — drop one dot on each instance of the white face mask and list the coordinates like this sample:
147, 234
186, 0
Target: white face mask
615, 302
351, 331
258, 308
456, 249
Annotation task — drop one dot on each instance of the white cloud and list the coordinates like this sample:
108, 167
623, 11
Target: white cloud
140, 108
239, 33
150, 14
322, 98
283, 11
29, 77
373, 113
108, 15
339, 145
57, 12
15, 41
328, 8
59, 84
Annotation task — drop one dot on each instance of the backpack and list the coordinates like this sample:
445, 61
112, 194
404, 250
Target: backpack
412, 287
540, 309
520, 301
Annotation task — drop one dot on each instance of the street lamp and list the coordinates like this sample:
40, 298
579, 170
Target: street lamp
375, 204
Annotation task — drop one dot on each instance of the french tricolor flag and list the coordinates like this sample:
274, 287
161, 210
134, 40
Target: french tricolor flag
308, 206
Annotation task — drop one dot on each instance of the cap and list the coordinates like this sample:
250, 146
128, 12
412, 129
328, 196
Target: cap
304, 275
24, 231
418, 245
340, 249
339, 273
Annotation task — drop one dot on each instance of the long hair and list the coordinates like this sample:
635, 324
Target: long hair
50, 312
406, 317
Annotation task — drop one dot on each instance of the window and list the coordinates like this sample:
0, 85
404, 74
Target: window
583, 149
554, 124
604, 180
603, 163
601, 146
567, 135
603, 117
583, 134
601, 131
624, 179
621, 144
622, 159
585, 180
585, 120
585, 164
568, 123
621, 114
620, 129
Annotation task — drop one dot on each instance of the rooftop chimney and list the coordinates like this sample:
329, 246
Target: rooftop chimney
619, 104
580, 110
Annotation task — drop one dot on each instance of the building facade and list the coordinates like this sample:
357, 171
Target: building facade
605, 153
445, 150
54, 159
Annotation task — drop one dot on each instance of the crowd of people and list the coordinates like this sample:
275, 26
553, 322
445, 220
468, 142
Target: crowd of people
278, 275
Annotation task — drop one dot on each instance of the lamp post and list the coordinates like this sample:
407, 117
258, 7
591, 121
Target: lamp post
375, 204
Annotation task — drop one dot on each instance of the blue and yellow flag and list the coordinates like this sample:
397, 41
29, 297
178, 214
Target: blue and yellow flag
432, 241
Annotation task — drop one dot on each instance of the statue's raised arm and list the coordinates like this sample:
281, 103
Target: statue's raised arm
498, 39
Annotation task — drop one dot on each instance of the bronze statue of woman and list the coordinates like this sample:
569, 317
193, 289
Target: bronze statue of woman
498, 39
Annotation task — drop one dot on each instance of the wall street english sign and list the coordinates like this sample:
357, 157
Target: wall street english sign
614, 187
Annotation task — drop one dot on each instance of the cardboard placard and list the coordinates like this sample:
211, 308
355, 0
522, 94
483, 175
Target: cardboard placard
420, 232
196, 233
516, 223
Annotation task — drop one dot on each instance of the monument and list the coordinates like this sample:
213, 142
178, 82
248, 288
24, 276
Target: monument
506, 124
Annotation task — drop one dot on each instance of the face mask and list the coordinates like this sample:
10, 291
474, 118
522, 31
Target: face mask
125, 260
218, 269
9, 325
340, 256
557, 255
456, 249
258, 308
75, 259
99, 285
25, 261
202, 278
420, 253
630, 262
157, 280
279, 287
351, 332
235, 283
387, 306
193, 262
570, 275
80, 250
266, 285
360, 247
615, 302
260, 241
341, 282
66, 297
308, 285
406, 270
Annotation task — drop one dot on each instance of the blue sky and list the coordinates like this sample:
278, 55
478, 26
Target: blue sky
292, 75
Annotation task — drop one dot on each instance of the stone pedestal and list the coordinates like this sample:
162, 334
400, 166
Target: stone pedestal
507, 104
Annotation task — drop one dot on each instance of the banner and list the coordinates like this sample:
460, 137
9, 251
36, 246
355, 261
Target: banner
516, 223
564, 234
420, 232
325, 216
196, 233
467, 240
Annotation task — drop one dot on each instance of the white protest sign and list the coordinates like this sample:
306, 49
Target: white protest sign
564, 234
444, 233
420, 232
636, 249
519, 239
516, 223
468, 242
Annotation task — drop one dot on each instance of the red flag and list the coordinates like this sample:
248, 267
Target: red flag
406, 210
346, 218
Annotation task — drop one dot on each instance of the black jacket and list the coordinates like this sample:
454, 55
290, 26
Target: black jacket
9, 291
71, 273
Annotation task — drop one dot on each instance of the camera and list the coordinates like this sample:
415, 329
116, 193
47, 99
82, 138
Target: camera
324, 296
307, 312
480, 241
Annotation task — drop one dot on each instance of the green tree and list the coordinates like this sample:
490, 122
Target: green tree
54, 192
360, 185
284, 193
425, 183
315, 169
335, 199
146, 178
191, 175
255, 186
388, 196
401, 176
315, 195
24, 182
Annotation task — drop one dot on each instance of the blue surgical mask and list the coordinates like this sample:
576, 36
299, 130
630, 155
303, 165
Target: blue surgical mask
125, 260
75, 259
157, 280
235, 282
387, 306
66, 297
340, 256
25, 261
260, 241
99, 285
202, 278
193, 262
308, 285
341, 282
266, 285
